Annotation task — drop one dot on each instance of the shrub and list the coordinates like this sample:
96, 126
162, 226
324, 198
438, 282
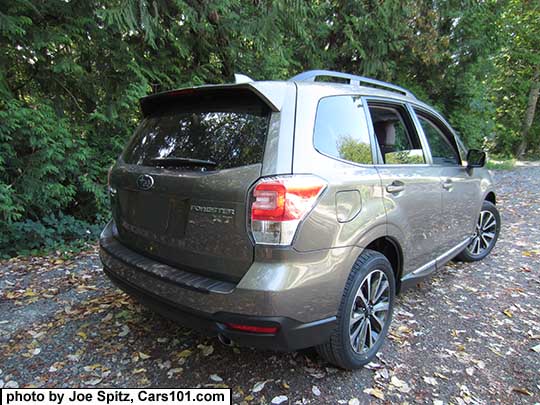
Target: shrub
58, 231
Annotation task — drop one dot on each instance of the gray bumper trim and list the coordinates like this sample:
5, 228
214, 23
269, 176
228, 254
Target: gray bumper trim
163, 271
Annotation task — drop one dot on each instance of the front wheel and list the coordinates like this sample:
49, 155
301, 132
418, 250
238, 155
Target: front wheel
364, 315
485, 236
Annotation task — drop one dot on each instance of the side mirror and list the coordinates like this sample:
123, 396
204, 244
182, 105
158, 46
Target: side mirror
476, 158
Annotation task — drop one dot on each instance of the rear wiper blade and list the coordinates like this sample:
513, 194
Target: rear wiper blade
180, 161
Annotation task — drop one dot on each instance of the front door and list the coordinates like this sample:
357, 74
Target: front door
460, 190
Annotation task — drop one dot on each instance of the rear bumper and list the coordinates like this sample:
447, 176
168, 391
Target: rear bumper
291, 334
208, 305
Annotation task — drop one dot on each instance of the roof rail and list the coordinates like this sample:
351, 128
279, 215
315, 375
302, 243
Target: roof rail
311, 75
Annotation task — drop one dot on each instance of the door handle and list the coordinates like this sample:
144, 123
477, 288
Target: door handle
395, 187
447, 184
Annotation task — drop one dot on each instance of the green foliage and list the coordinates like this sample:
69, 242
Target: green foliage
71, 74
354, 150
516, 64
40, 161
500, 164
52, 232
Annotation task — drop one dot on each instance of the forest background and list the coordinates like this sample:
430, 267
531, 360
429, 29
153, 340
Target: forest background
72, 71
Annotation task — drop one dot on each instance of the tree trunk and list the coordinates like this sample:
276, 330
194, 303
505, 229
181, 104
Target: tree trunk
529, 113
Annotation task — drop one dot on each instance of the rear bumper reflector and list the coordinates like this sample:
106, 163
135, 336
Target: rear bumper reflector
253, 329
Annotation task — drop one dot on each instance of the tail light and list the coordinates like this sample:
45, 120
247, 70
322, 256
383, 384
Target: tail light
279, 206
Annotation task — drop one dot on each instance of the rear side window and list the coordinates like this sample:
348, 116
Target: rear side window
341, 129
398, 142
218, 134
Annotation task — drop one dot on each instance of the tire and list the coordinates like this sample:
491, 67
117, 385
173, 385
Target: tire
339, 349
475, 250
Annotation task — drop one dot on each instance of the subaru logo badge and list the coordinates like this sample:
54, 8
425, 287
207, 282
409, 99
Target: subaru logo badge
145, 182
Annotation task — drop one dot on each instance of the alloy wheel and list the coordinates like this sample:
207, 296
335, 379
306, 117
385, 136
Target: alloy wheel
484, 235
369, 312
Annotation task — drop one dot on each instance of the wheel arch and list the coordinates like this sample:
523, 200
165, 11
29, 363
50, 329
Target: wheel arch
391, 249
490, 196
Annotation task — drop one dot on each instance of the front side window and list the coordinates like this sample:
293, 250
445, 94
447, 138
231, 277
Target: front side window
442, 150
397, 142
341, 129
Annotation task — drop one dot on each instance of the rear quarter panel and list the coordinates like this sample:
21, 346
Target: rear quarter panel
322, 230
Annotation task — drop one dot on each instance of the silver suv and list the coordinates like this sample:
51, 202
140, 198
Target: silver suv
288, 214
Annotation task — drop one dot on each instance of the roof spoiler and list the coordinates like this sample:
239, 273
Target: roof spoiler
240, 78
272, 94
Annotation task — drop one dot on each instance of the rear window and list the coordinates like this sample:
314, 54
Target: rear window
194, 133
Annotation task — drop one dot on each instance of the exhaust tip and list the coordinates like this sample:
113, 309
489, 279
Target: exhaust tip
224, 340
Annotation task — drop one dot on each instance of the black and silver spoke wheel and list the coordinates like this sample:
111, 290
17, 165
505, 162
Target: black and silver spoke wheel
369, 312
485, 234
364, 314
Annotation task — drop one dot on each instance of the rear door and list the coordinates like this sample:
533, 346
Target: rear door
460, 190
182, 182
411, 189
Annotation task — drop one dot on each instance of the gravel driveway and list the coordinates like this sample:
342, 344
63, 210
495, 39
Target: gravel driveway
466, 335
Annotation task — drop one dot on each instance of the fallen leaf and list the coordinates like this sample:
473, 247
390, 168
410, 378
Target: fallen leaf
124, 331
396, 382
523, 391
184, 353
29, 293
318, 375
536, 348
107, 317
480, 364
206, 350
143, 356
430, 380
373, 366
401, 385
174, 371
383, 373
92, 367
508, 313
216, 378
375, 392
74, 357
279, 399
258, 386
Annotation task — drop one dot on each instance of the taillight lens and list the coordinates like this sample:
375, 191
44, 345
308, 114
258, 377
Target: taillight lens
280, 204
